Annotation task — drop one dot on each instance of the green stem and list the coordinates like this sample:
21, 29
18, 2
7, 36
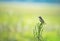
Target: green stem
39, 32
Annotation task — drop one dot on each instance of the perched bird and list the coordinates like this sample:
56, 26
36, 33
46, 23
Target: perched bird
41, 20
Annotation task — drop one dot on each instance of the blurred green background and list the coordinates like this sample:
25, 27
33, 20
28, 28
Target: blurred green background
18, 21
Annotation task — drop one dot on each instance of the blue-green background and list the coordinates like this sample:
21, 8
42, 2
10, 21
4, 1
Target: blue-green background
18, 18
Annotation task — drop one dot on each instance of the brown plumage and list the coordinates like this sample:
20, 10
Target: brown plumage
41, 20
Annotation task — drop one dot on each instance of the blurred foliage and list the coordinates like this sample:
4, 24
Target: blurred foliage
16, 24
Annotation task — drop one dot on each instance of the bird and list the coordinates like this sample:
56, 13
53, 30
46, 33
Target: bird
41, 20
